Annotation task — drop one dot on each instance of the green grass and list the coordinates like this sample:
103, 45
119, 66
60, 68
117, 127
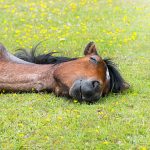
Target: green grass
121, 30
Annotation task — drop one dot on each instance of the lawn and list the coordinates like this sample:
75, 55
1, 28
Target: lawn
121, 30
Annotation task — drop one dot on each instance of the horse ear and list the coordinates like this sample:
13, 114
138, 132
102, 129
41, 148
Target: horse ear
90, 49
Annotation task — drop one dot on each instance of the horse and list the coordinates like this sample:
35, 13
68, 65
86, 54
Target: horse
85, 78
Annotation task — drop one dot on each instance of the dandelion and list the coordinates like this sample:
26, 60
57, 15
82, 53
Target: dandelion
109, 2
59, 118
73, 6
20, 125
106, 142
14, 94
112, 110
75, 101
47, 119
46, 137
100, 112
30, 108
109, 32
22, 20
125, 40
135, 94
31, 8
54, 28
95, 1
21, 135
124, 100
83, 2
110, 43
97, 131
18, 32
13, 10
143, 148
61, 137
96, 40
126, 20
134, 36
6, 6
117, 8
101, 40
76, 111
117, 103
77, 17
43, 5
56, 11
66, 27
67, 110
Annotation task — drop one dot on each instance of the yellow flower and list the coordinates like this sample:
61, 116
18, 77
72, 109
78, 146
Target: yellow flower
77, 17
59, 118
21, 134
100, 113
133, 36
73, 6
43, 5
14, 94
112, 110
20, 125
109, 1
75, 101
117, 103
143, 148
47, 119
83, 2
30, 108
47, 137
106, 142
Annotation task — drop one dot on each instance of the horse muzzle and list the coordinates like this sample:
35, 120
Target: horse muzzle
86, 90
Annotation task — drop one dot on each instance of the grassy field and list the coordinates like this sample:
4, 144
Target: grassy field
121, 30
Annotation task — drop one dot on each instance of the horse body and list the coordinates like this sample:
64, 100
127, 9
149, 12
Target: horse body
24, 77
87, 78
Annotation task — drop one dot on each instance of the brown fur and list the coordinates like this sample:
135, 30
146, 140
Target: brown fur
17, 75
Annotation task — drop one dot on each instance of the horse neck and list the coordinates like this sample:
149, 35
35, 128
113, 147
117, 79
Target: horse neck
26, 77
45, 79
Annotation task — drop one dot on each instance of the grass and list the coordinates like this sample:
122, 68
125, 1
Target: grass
121, 30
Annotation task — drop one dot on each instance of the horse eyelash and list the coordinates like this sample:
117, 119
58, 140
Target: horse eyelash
93, 60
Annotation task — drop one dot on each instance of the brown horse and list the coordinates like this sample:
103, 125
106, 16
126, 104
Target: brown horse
86, 79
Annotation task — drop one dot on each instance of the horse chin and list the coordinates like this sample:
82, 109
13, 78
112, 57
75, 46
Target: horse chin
75, 90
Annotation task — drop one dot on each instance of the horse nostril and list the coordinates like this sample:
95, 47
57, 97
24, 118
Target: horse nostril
95, 84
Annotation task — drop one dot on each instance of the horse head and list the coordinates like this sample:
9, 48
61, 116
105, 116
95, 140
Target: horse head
88, 78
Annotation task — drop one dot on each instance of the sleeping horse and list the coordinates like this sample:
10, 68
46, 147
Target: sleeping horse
86, 79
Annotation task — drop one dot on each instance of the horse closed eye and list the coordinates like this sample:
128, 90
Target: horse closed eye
94, 60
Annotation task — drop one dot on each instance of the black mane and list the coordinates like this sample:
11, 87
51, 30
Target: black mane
117, 83
31, 56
